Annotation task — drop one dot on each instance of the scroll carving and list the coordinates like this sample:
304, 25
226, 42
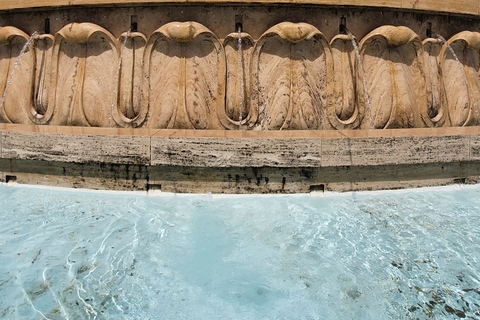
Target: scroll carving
131, 112
462, 94
17, 103
184, 77
344, 113
292, 77
85, 63
392, 59
43, 67
238, 80
435, 114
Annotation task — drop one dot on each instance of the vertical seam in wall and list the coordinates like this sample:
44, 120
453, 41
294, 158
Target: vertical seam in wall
150, 149
150, 145
321, 161
470, 148
321, 152
319, 168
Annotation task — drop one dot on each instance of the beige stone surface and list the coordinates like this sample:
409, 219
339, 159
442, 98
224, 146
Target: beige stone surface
184, 76
394, 150
292, 78
238, 52
436, 113
163, 111
76, 148
475, 148
464, 6
219, 152
395, 83
462, 83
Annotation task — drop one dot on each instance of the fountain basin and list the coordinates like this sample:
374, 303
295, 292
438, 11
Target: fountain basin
162, 111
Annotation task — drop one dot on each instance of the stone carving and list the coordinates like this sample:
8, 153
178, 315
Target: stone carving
392, 58
235, 86
436, 114
184, 77
292, 77
17, 103
85, 60
462, 94
344, 113
131, 112
43, 46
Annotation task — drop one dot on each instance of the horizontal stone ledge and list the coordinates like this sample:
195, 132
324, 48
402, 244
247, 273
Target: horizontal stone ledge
240, 134
76, 148
195, 148
461, 6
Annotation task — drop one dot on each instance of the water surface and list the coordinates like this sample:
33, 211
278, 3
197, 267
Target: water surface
91, 255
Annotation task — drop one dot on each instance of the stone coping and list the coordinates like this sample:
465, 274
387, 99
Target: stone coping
223, 149
459, 6
241, 134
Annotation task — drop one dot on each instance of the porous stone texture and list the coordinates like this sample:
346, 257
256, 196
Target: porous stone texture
184, 70
260, 163
462, 6
394, 150
228, 96
207, 152
76, 148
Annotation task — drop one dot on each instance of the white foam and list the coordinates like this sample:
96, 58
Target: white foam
159, 193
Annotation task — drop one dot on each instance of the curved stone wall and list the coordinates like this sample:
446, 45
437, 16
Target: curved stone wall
460, 6
182, 76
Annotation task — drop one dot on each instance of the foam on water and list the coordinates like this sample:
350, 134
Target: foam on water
92, 255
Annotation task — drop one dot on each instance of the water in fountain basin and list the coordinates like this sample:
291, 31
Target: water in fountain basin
362, 72
117, 76
90, 255
17, 61
462, 70
240, 80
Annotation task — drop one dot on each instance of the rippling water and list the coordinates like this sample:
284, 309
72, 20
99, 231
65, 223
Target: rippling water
91, 255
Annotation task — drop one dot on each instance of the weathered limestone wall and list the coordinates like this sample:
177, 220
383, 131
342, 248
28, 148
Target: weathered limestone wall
165, 112
299, 75
463, 6
238, 162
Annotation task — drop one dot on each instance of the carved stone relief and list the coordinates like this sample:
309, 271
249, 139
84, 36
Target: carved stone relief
292, 77
436, 113
43, 65
131, 112
344, 113
392, 58
184, 77
237, 103
85, 63
461, 84
16, 103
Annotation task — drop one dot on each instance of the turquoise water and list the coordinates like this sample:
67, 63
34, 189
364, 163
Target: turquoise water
90, 255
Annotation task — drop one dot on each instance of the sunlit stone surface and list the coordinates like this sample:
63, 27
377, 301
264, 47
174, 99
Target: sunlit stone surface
91, 255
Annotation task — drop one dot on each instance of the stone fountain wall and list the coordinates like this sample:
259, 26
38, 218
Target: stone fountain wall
93, 105
183, 75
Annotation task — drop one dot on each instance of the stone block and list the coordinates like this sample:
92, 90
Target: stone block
394, 150
76, 148
218, 152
